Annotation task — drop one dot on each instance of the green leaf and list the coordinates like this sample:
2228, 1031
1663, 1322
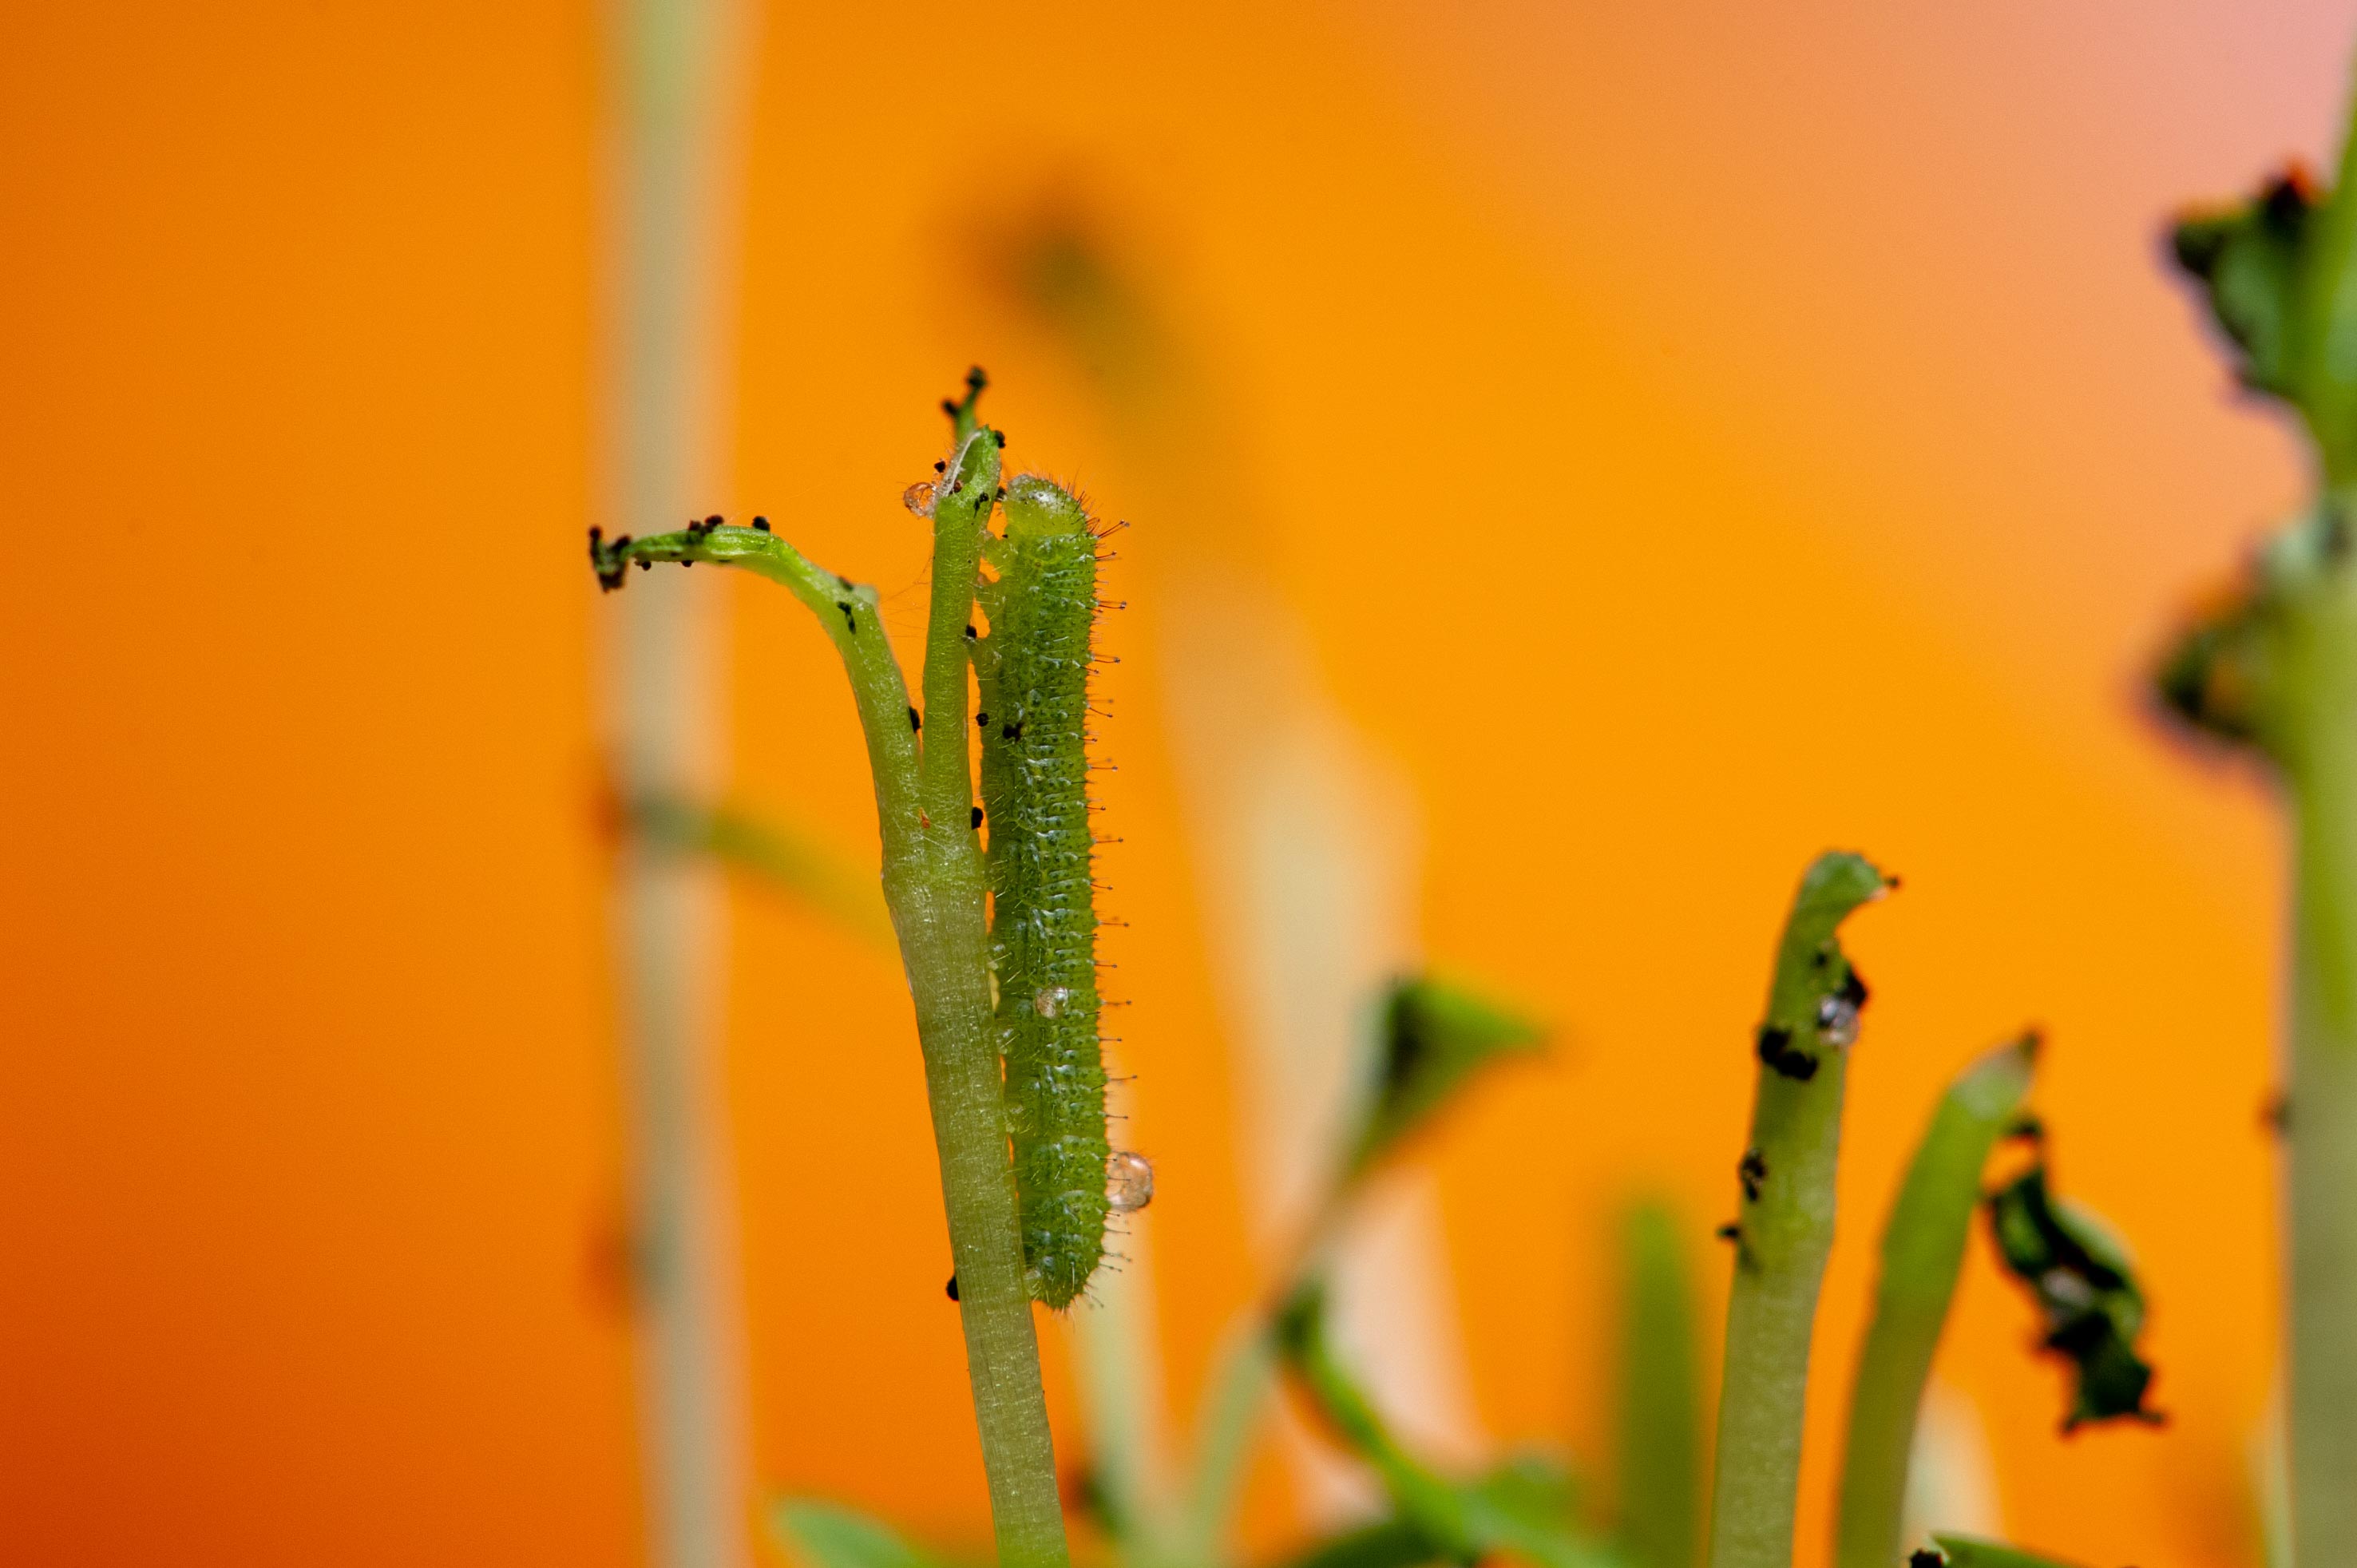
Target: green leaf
827, 1535
2248, 260
1386, 1544
2079, 1272
2279, 274
2262, 659
1660, 1395
1523, 1507
2213, 679
772, 853
1966, 1551
1434, 1039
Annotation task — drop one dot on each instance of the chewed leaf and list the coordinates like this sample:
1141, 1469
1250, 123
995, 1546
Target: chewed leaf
2213, 679
1434, 1038
1966, 1551
826, 1535
2248, 259
2080, 1274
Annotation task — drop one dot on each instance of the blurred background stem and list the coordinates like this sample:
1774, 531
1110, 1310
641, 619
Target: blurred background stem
2320, 765
2323, 1108
676, 91
1923, 1254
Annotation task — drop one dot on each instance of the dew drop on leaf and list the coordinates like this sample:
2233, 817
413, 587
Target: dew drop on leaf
1129, 1182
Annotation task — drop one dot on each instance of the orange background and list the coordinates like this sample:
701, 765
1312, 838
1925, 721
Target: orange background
1695, 434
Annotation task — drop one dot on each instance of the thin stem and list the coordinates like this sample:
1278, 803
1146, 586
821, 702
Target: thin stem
676, 92
1787, 1227
1923, 1252
962, 503
1661, 1396
934, 884
2321, 766
1246, 1370
2321, 773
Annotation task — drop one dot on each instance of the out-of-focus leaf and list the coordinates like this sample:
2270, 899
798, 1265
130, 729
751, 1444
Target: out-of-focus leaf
2248, 259
1523, 1507
1386, 1543
1923, 1246
775, 855
2212, 678
826, 1535
1434, 1038
1661, 1396
1965, 1551
2080, 1274
2235, 672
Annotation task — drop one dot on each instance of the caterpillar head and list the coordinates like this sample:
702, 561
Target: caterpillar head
1038, 507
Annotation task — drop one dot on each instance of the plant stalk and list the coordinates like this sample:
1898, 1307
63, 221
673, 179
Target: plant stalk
1661, 1396
2321, 767
1922, 1253
2322, 1160
934, 884
1787, 1225
676, 88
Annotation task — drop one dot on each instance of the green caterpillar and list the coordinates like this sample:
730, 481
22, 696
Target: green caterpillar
1032, 670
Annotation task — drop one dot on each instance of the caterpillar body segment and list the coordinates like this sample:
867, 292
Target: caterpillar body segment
1032, 672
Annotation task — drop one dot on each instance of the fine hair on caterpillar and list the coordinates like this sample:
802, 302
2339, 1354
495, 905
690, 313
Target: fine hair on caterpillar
1032, 669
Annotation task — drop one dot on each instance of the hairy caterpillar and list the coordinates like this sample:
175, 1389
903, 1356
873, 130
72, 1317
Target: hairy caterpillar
1033, 674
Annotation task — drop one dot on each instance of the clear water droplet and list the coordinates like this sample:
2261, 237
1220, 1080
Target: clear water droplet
1129, 1182
918, 498
1053, 1001
1837, 1020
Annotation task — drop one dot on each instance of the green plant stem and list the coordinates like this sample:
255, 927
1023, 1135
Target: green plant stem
934, 884
1922, 1253
1246, 1370
1661, 1397
968, 492
1787, 1229
2320, 765
2322, 645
